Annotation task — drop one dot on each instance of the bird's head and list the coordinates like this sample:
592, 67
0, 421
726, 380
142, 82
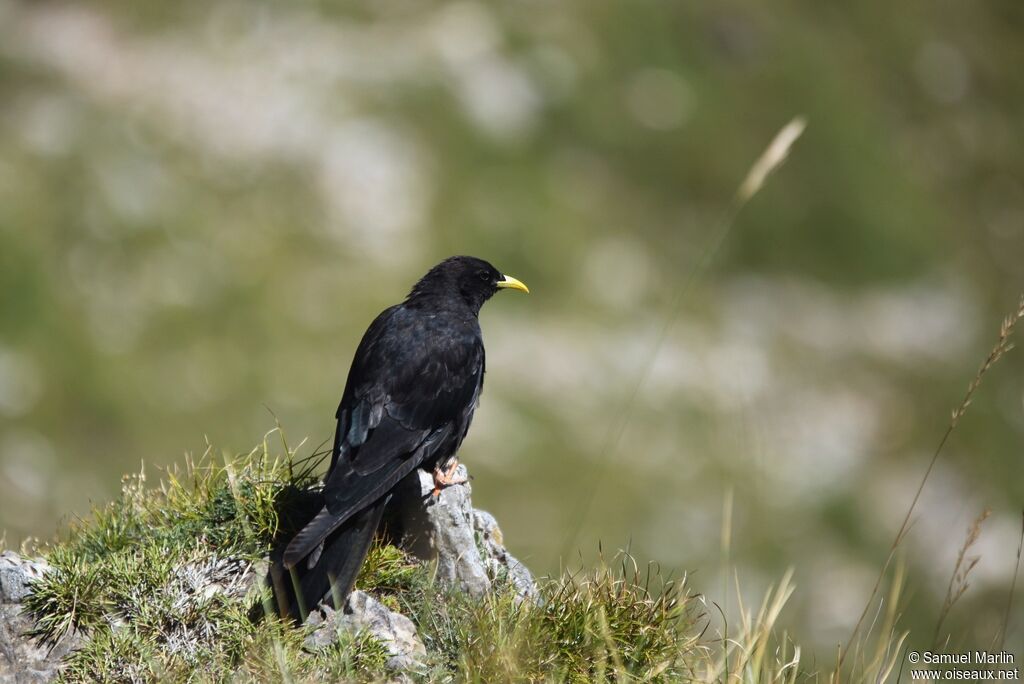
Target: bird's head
468, 279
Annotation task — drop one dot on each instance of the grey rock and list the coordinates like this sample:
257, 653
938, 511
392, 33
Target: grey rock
466, 544
23, 658
441, 528
500, 564
363, 613
17, 574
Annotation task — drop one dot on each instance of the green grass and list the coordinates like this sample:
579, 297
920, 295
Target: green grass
130, 578
615, 623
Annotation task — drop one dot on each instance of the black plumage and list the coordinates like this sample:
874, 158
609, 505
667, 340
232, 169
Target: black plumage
415, 381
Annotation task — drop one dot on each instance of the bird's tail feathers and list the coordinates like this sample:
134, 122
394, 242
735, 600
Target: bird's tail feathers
339, 563
310, 536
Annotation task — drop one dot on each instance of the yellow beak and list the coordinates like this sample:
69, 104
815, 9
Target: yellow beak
510, 282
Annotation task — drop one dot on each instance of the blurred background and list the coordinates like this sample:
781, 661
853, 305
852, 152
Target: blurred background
203, 205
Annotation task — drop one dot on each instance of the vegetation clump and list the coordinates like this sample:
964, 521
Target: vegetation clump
167, 582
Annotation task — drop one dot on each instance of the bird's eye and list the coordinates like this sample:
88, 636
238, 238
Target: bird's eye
484, 276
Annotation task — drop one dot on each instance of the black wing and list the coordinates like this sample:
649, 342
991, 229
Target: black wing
410, 396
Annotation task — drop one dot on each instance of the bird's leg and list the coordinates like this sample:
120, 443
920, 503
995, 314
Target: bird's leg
444, 476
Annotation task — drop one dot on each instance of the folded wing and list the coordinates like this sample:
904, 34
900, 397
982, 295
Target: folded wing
404, 404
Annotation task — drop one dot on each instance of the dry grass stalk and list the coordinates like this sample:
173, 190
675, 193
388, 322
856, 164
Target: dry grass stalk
1013, 586
769, 161
771, 158
756, 652
958, 580
1002, 346
877, 664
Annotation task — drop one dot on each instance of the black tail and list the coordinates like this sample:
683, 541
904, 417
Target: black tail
336, 569
309, 537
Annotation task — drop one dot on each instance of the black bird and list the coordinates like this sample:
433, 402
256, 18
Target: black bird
408, 402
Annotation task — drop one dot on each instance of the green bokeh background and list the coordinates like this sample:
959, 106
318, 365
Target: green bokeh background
202, 206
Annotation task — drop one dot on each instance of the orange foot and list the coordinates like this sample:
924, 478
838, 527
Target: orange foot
445, 477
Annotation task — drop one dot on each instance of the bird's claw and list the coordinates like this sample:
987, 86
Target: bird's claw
446, 477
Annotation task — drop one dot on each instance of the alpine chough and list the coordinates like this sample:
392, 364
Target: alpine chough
414, 383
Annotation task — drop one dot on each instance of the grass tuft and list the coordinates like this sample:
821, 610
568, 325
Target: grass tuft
615, 623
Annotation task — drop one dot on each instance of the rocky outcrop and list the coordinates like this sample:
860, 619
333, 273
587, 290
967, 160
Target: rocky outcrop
22, 658
501, 565
363, 613
466, 544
